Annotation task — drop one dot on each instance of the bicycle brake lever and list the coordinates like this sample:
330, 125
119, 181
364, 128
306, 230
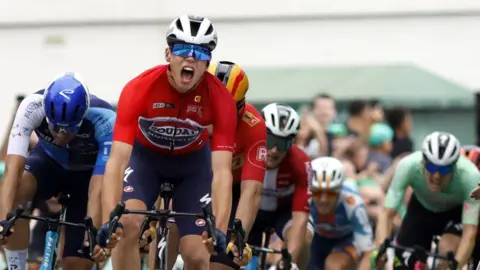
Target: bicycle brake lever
90, 235
240, 236
145, 226
114, 219
210, 220
287, 259
11, 217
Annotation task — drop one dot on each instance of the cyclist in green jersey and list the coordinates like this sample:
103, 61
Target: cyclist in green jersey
441, 180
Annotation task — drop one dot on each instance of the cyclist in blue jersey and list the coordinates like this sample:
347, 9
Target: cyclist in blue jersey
75, 132
342, 230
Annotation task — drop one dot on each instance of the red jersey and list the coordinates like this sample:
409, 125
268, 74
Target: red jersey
250, 155
151, 111
288, 184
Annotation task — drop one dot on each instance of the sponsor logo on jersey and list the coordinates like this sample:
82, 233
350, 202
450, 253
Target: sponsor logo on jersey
161, 105
250, 119
262, 153
31, 108
17, 130
170, 132
195, 109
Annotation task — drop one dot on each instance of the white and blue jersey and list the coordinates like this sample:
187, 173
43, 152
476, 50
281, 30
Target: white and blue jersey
348, 220
90, 148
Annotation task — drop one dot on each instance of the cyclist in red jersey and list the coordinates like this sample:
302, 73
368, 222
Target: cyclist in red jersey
285, 196
249, 158
160, 135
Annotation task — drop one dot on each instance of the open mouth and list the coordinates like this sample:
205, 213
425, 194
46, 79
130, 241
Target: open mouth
187, 75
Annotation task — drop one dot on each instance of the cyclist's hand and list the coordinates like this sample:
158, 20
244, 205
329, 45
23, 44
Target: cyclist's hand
100, 254
4, 240
147, 237
103, 237
377, 262
221, 242
475, 192
246, 255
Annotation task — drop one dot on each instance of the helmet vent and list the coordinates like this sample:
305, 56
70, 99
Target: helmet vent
194, 27
179, 25
52, 110
64, 111
209, 30
75, 113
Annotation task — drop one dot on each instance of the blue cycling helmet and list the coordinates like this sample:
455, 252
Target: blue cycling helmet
66, 101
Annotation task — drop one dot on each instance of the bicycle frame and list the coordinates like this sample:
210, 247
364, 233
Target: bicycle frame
161, 260
51, 243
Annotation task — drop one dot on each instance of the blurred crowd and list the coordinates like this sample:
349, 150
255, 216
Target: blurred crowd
370, 142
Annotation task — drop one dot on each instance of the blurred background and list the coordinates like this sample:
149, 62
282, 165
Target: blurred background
421, 55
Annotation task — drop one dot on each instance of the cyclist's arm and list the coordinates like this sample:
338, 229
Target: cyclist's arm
394, 199
300, 207
103, 121
470, 216
253, 172
223, 140
363, 235
29, 116
130, 107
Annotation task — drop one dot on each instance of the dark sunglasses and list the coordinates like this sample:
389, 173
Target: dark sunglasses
442, 170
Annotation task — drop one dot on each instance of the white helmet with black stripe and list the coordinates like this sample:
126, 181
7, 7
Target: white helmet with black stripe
441, 148
193, 30
281, 120
328, 173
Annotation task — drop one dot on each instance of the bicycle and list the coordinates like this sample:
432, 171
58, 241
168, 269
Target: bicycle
53, 233
161, 216
262, 252
419, 254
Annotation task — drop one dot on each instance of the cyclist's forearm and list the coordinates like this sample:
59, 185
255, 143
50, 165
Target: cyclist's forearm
9, 182
384, 226
248, 204
365, 262
111, 188
296, 235
222, 198
466, 245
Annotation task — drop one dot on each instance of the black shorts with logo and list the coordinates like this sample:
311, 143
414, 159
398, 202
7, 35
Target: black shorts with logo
53, 179
191, 177
420, 225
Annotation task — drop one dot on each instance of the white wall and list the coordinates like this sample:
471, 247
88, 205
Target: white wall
109, 56
88, 10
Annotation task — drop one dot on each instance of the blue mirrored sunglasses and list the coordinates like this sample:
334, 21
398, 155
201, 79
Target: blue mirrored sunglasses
63, 128
191, 50
442, 170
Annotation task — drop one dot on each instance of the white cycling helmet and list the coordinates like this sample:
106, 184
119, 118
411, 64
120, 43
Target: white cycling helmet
328, 173
194, 30
441, 148
281, 120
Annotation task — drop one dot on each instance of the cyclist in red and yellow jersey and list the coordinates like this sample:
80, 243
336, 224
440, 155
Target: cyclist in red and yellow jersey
249, 157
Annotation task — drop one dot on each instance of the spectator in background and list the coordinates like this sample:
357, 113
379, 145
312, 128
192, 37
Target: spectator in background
360, 119
312, 136
400, 120
380, 141
376, 111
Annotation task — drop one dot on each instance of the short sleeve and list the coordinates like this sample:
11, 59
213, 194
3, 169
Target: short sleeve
130, 107
255, 154
396, 191
103, 121
29, 116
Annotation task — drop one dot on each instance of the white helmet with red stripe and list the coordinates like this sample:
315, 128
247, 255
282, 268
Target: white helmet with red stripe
328, 173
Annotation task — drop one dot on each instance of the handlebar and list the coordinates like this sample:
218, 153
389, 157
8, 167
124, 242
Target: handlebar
286, 256
157, 214
19, 213
419, 253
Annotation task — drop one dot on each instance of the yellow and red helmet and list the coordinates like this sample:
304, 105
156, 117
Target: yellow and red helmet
233, 77
472, 153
